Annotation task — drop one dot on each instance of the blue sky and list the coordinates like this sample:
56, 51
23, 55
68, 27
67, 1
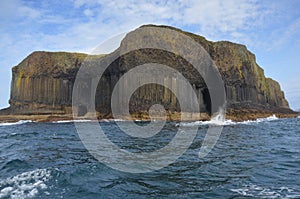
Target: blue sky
270, 29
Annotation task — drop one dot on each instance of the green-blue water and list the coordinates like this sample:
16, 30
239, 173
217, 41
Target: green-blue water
251, 160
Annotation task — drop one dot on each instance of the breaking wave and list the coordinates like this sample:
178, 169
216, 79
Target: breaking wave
86, 120
15, 123
25, 185
221, 121
71, 121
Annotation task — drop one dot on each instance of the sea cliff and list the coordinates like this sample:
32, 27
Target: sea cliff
42, 83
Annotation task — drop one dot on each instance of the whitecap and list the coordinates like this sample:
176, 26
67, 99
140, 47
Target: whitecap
15, 123
220, 121
243, 192
266, 192
271, 118
25, 185
211, 122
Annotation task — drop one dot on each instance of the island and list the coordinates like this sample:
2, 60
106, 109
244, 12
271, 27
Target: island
42, 85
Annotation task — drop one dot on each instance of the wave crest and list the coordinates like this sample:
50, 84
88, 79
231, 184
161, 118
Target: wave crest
15, 123
220, 121
25, 185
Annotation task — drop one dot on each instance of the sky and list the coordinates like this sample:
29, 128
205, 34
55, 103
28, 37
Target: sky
269, 29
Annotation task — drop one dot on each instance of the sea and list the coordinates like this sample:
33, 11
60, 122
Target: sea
252, 159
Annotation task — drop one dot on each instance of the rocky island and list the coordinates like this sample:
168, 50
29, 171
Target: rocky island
42, 84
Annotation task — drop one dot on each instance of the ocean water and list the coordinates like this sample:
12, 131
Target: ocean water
252, 159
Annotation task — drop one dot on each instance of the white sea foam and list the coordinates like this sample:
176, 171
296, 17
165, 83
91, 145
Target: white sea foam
267, 192
259, 120
15, 123
85, 120
25, 185
71, 121
220, 121
112, 120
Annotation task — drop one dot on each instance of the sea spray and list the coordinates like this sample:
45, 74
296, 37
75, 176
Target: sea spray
219, 117
213, 133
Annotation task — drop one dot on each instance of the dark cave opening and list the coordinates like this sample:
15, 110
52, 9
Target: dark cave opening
206, 100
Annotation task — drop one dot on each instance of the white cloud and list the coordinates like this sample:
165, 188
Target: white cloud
25, 11
223, 16
79, 3
88, 12
211, 17
15, 8
285, 34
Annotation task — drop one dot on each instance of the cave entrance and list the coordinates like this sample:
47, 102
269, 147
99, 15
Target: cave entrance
206, 100
82, 110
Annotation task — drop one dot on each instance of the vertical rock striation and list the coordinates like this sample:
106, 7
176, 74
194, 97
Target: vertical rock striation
42, 83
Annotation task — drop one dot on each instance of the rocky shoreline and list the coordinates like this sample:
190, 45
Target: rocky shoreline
234, 115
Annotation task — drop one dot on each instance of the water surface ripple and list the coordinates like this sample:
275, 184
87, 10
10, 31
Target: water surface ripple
251, 160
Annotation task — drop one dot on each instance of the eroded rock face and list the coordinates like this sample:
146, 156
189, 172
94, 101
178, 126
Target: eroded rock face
43, 82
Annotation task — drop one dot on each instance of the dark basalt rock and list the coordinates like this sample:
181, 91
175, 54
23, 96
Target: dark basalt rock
42, 83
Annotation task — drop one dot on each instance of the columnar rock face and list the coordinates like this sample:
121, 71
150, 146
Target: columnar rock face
246, 84
42, 83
